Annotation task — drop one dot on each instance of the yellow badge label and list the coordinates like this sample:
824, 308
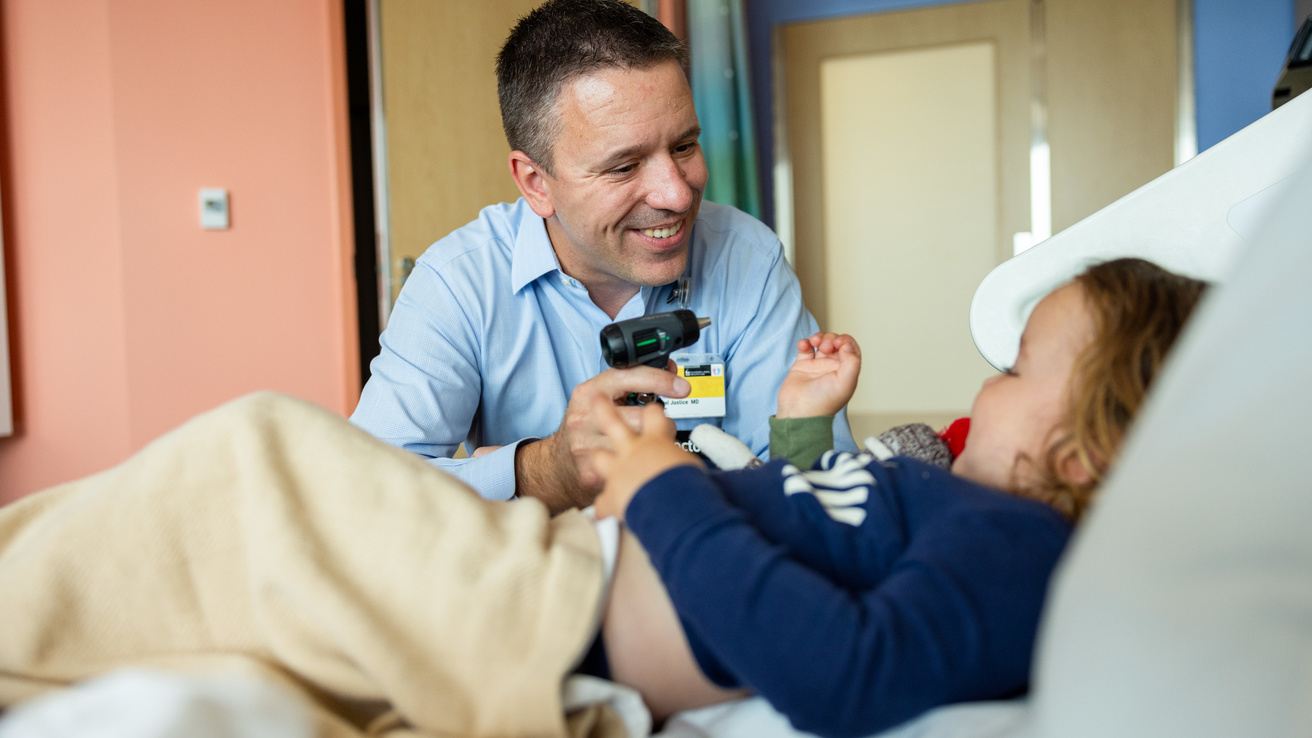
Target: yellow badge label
703, 385
705, 373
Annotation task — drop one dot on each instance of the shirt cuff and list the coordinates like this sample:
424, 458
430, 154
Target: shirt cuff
492, 475
801, 440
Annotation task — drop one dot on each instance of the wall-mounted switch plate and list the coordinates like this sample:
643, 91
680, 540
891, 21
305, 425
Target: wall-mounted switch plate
213, 208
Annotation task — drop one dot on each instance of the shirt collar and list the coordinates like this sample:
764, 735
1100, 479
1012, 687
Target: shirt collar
532, 256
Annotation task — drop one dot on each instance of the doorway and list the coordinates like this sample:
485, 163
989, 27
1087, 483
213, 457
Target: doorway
913, 139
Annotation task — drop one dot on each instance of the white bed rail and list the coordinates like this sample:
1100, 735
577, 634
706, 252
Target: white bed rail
1194, 219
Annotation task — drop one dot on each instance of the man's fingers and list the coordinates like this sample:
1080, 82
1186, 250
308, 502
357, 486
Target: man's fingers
641, 380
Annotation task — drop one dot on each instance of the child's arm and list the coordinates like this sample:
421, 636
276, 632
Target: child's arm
820, 383
948, 623
634, 459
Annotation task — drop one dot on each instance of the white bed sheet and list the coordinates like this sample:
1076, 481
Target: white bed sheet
754, 718
138, 703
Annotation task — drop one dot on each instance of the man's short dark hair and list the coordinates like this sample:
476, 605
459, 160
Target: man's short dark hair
564, 39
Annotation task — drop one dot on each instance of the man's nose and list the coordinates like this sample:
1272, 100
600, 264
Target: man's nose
669, 188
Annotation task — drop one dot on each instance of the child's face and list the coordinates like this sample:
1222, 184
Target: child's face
1016, 414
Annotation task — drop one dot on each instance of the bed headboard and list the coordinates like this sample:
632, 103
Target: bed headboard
1194, 219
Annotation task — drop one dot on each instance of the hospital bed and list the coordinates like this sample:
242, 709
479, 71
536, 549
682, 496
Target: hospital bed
1184, 606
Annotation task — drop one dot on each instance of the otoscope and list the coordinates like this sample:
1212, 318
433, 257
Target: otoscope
650, 339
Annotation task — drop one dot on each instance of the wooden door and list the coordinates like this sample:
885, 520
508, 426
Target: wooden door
1112, 89
446, 153
445, 149
908, 136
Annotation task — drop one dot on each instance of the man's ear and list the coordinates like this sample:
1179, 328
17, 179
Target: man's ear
533, 183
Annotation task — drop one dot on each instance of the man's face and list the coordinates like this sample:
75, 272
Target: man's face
628, 179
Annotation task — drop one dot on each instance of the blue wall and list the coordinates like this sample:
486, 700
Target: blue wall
1239, 46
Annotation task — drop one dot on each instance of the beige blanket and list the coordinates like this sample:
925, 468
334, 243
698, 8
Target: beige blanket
273, 538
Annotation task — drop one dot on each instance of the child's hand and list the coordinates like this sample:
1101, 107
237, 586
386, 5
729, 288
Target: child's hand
823, 376
634, 458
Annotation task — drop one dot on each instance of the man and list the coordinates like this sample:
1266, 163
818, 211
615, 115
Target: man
494, 339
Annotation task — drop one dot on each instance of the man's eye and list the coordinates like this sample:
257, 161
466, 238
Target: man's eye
684, 148
626, 169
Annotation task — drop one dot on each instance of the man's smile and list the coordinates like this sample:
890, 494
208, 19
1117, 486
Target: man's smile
663, 238
665, 232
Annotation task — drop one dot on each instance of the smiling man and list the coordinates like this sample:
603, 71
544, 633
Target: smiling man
493, 342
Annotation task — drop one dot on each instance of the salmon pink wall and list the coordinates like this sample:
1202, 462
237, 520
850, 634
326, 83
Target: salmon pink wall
125, 317
64, 262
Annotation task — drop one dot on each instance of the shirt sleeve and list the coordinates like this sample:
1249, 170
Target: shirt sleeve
424, 386
801, 440
837, 660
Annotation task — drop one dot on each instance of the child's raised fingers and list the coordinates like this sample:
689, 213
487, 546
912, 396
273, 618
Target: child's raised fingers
828, 343
848, 343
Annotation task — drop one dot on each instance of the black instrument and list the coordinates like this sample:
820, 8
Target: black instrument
650, 339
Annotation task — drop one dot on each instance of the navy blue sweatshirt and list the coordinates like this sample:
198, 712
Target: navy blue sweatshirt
855, 596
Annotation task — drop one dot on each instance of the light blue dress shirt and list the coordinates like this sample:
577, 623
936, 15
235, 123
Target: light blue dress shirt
489, 338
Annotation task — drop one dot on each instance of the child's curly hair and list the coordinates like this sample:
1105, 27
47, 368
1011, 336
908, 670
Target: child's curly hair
1138, 311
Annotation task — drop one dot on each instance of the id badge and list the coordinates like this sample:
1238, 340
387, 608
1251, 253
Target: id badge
705, 374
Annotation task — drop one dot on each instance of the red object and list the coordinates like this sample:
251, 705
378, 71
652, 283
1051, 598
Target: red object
955, 435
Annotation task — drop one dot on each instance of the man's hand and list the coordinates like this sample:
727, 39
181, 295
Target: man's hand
558, 470
634, 459
823, 376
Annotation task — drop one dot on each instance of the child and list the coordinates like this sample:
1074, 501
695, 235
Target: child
861, 594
